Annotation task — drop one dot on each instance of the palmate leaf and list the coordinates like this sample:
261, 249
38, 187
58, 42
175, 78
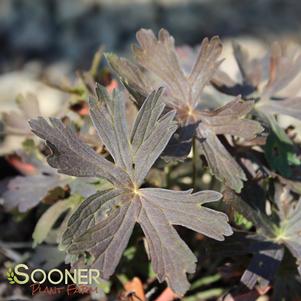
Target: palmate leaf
250, 69
289, 231
25, 192
43, 184
221, 163
287, 285
267, 245
157, 58
160, 57
14, 127
72, 157
133, 76
283, 67
267, 254
103, 223
267, 257
51, 216
290, 106
225, 120
16, 122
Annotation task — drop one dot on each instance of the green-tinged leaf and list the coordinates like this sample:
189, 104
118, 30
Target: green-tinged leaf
235, 203
268, 244
279, 150
240, 220
205, 281
87, 186
289, 231
16, 122
50, 216
279, 156
209, 294
105, 286
293, 159
25, 192
129, 253
267, 255
29, 105
96, 62
29, 146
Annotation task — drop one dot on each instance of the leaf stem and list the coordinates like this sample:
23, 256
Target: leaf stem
194, 162
167, 170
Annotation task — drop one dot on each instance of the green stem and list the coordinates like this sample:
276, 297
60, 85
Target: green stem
167, 170
194, 163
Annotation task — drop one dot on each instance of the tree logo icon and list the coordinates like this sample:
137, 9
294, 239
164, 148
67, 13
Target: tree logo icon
11, 276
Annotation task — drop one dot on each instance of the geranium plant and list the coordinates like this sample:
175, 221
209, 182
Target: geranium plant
154, 152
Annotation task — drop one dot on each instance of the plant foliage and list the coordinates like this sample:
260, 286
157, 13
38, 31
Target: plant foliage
103, 223
177, 136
